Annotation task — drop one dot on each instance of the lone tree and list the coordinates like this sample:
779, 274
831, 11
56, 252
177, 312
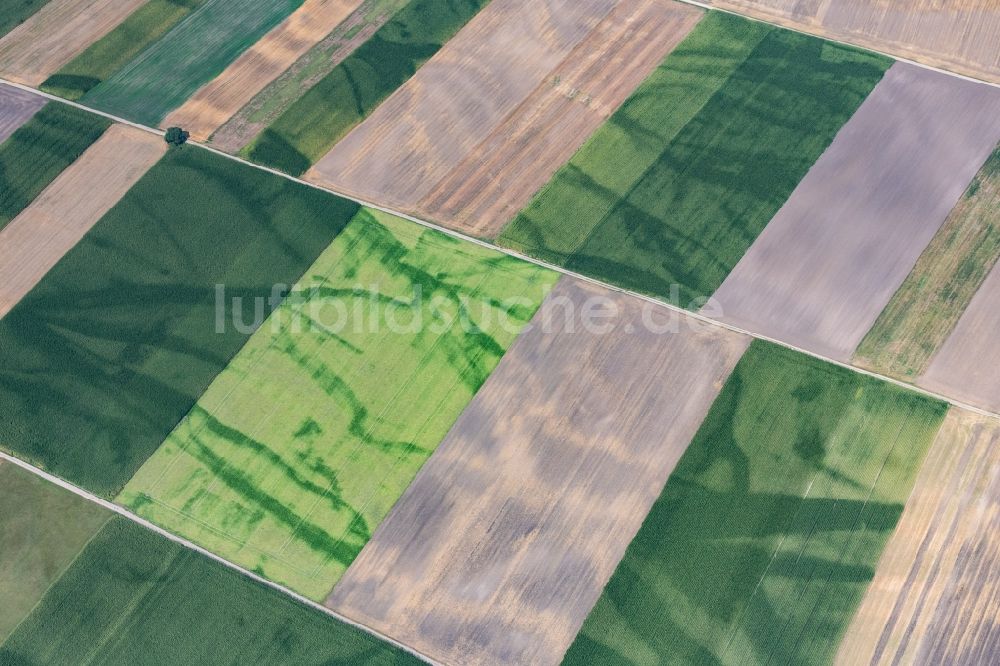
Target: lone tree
175, 136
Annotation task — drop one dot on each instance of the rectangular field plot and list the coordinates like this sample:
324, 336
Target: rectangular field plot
951, 269
667, 196
960, 35
770, 527
934, 595
16, 108
13, 14
302, 445
102, 359
56, 34
56, 221
134, 597
42, 529
541, 484
193, 52
468, 144
841, 246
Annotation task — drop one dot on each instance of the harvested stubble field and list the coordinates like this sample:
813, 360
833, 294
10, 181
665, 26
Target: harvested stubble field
937, 291
193, 52
134, 597
960, 35
42, 530
113, 51
268, 105
259, 65
356, 86
473, 136
102, 359
302, 445
769, 529
934, 596
832, 258
15, 12
536, 492
60, 30
667, 196
80, 196
38, 151
16, 108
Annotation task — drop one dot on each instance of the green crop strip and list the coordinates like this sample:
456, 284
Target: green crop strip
15, 12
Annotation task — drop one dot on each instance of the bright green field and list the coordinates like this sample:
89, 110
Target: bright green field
102, 359
110, 53
15, 12
679, 182
194, 52
39, 150
301, 446
133, 597
42, 530
345, 96
769, 530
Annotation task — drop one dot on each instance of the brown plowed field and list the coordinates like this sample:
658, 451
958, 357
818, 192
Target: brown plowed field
16, 108
502, 544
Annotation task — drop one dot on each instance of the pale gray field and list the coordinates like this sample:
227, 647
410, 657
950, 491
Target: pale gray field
830, 260
502, 544
967, 366
16, 108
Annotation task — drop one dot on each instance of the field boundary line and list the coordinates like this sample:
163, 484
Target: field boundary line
122, 511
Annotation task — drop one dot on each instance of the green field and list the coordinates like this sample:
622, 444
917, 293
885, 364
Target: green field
302, 445
113, 51
928, 305
15, 12
113, 347
667, 196
769, 530
345, 96
39, 150
194, 52
42, 530
133, 597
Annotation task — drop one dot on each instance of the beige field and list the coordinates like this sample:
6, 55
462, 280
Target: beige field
220, 99
56, 221
958, 35
502, 544
56, 34
505, 102
935, 598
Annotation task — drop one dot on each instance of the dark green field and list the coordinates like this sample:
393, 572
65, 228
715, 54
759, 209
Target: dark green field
15, 12
108, 54
102, 359
39, 150
674, 188
133, 597
345, 96
769, 530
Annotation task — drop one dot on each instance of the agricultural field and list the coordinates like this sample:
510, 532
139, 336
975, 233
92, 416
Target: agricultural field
39, 150
962, 35
356, 86
80, 196
832, 258
667, 196
227, 93
192, 53
770, 527
298, 450
933, 598
134, 597
53, 36
42, 530
276, 98
16, 108
537, 490
13, 14
113, 51
102, 359
927, 307
486, 138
